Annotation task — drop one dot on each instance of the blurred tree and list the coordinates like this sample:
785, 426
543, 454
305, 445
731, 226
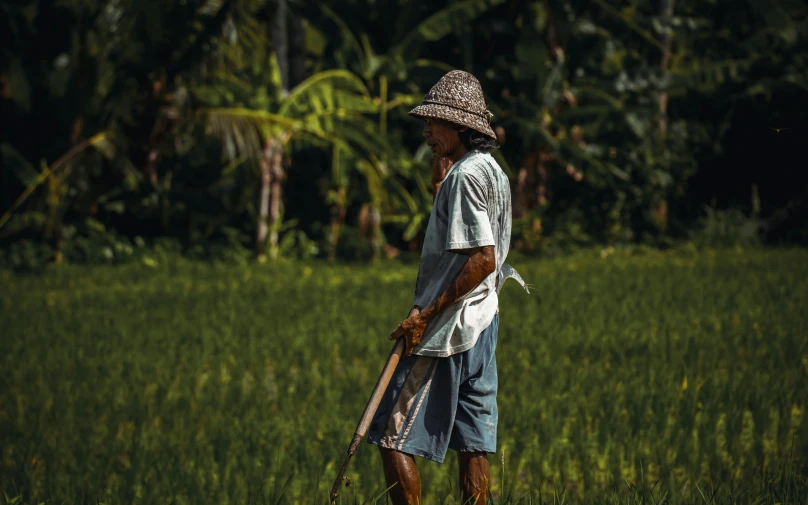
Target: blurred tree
609, 107
109, 67
750, 77
613, 124
391, 69
594, 164
329, 107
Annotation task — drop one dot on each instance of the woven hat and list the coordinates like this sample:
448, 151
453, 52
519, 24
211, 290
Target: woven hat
457, 97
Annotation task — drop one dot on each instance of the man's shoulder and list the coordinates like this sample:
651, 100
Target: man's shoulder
477, 164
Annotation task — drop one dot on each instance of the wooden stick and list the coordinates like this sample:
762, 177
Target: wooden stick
370, 411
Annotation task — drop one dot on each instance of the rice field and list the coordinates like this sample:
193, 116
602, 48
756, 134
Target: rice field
625, 377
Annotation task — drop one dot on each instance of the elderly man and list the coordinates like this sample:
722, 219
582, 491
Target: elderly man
443, 392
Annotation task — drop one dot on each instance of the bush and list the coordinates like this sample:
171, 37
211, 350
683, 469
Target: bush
726, 227
26, 256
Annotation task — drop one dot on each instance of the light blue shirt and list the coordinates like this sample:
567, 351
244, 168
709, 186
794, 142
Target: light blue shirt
472, 209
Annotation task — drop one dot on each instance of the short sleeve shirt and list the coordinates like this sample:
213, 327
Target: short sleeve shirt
472, 209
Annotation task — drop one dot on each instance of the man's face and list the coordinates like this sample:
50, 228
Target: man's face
442, 136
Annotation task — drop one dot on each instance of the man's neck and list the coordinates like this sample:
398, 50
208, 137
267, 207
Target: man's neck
459, 153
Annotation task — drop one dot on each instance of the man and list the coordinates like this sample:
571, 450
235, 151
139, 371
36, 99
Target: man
443, 392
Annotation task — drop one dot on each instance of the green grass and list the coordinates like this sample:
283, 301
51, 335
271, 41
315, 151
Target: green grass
623, 379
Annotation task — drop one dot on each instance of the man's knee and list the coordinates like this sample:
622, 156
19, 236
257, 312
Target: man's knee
394, 456
472, 458
398, 465
402, 476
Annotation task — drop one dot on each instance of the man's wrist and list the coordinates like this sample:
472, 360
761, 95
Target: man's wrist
429, 312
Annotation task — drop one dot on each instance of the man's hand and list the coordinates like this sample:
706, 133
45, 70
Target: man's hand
412, 329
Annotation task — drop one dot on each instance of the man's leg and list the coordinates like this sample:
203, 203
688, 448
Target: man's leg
475, 477
400, 469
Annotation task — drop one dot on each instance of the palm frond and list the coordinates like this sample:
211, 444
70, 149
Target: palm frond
311, 85
537, 128
18, 165
414, 227
346, 32
243, 131
427, 63
616, 103
577, 151
440, 24
406, 197
99, 141
368, 143
408, 100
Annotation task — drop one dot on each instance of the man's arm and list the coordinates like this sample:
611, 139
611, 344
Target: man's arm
480, 264
469, 225
467, 209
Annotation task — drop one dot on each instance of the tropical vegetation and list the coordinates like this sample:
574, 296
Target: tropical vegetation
278, 128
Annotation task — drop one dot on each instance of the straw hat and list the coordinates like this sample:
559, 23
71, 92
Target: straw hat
457, 97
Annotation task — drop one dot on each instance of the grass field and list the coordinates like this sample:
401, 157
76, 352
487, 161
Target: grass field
623, 378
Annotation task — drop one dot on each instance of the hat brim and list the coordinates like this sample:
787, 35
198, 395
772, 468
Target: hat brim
455, 116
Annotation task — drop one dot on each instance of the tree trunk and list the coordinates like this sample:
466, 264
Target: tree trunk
552, 40
374, 223
543, 193
269, 207
297, 50
263, 205
370, 229
521, 203
666, 10
279, 35
165, 202
337, 222
520, 190
275, 196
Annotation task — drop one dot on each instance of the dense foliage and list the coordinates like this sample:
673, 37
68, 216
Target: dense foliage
279, 127
623, 374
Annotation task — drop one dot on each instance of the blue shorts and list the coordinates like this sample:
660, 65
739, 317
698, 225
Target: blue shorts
434, 404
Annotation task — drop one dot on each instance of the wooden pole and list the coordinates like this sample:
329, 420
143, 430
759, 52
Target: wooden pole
370, 411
